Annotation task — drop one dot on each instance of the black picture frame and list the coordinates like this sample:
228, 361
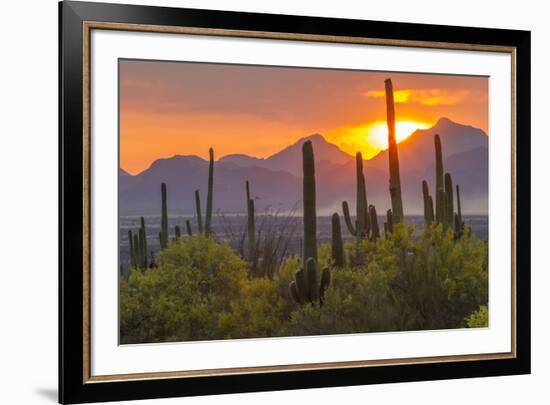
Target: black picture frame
72, 385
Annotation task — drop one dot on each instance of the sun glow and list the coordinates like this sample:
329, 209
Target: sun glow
376, 134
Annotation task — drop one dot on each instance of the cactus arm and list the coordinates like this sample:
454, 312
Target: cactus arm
294, 292
347, 218
325, 282
301, 285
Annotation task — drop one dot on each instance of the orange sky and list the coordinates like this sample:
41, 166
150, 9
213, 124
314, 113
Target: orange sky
179, 108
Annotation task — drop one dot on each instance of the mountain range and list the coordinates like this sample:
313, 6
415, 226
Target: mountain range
276, 181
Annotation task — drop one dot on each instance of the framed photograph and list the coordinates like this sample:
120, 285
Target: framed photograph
255, 202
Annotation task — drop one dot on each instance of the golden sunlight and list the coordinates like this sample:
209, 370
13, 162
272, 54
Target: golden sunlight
377, 133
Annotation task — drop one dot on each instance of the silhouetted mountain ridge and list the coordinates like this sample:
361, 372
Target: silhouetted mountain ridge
276, 180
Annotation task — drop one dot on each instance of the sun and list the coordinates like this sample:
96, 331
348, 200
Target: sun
376, 134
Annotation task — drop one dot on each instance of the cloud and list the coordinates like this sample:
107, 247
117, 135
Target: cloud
429, 97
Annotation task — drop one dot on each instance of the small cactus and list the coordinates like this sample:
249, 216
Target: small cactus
188, 226
305, 287
428, 204
388, 228
177, 232
198, 210
375, 231
337, 243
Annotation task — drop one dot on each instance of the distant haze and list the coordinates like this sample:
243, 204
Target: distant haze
276, 181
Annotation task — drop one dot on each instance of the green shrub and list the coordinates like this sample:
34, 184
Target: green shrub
259, 311
195, 282
479, 318
201, 290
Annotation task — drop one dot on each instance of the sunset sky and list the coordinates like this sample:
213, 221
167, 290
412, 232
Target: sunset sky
178, 108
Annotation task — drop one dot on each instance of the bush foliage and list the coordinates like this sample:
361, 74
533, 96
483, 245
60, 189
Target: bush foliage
202, 290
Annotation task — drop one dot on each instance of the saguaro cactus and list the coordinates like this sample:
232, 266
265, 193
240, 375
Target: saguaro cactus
337, 243
440, 202
460, 228
137, 250
132, 252
177, 231
143, 235
310, 210
449, 202
375, 231
198, 210
305, 287
439, 210
389, 221
361, 218
395, 180
188, 226
251, 226
428, 204
164, 219
209, 196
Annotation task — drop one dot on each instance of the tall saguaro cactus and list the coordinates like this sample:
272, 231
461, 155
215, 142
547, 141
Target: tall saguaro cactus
337, 243
309, 200
164, 219
439, 207
251, 226
449, 202
395, 180
209, 196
